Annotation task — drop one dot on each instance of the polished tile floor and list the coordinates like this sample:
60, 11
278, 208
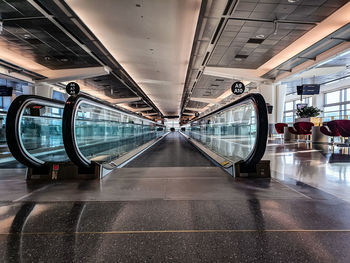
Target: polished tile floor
150, 212
322, 166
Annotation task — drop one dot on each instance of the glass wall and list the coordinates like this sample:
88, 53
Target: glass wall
230, 134
103, 134
336, 104
2, 127
41, 132
290, 108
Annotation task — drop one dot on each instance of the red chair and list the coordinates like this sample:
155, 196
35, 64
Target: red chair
330, 129
301, 128
343, 127
280, 127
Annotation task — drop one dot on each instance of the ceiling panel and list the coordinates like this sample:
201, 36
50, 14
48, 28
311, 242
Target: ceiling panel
238, 31
45, 43
211, 87
110, 85
152, 40
331, 41
196, 104
29, 33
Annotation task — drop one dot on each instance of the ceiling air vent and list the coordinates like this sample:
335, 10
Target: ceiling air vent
241, 56
219, 80
255, 40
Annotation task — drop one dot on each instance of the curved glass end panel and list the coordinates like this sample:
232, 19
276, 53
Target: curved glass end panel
34, 130
102, 133
2, 127
237, 132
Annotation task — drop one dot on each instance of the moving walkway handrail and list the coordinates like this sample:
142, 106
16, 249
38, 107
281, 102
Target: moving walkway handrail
13, 127
262, 126
69, 123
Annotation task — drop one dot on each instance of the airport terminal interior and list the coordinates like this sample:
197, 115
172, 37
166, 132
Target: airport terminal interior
174, 131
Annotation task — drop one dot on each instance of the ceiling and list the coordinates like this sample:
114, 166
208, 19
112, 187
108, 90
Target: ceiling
248, 34
160, 51
245, 26
211, 87
328, 71
42, 37
30, 34
152, 40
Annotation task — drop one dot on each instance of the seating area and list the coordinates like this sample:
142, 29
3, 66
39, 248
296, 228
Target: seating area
332, 129
301, 128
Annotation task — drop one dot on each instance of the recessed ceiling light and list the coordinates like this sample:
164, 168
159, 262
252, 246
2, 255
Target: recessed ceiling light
293, 1
26, 36
64, 59
238, 59
260, 36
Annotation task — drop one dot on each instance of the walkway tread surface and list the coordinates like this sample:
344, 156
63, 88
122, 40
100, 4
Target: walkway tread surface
172, 151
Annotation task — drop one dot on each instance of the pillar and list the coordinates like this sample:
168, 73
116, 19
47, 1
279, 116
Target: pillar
268, 91
280, 101
43, 90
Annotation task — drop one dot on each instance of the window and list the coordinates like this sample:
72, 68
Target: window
6, 102
56, 95
336, 104
332, 97
289, 106
290, 109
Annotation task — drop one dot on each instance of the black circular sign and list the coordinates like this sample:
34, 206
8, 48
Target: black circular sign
72, 88
238, 88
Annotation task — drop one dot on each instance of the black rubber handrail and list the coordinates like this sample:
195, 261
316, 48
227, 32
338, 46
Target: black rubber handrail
249, 163
13, 136
68, 126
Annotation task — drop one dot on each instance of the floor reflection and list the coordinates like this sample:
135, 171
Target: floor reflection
320, 165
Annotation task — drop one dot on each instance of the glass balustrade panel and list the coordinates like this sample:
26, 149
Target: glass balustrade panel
230, 133
103, 134
41, 132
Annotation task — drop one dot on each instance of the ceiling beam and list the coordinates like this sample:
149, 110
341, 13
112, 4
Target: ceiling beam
233, 73
329, 54
329, 25
141, 109
125, 100
193, 109
62, 75
206, 100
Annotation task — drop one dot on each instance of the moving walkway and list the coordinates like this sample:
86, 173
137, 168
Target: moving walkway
80, 138
234, 136
85, 137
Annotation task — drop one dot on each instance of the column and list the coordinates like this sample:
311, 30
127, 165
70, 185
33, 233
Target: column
43, 90
280, 101
269, 93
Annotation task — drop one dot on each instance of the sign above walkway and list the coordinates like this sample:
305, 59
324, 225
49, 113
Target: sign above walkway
72, 88
238, 88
